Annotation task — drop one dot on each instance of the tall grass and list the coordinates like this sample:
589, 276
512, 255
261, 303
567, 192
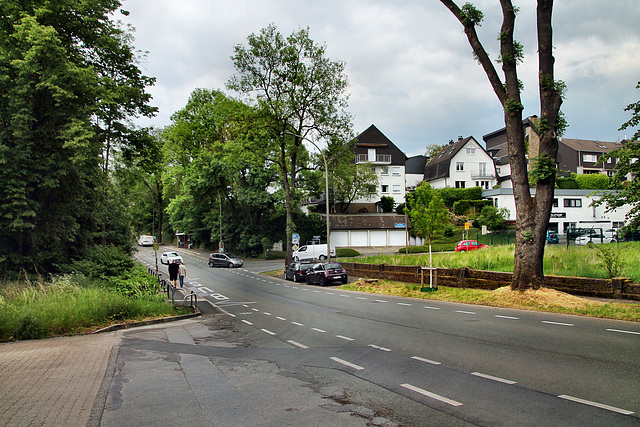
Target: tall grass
72, 303
575, 261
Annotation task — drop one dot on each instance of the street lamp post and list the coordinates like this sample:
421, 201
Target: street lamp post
326, 187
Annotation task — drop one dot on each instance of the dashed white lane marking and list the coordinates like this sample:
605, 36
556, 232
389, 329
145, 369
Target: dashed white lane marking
349, 364
266, 314
431, 308
557, 323
379, 300
596, 404
345, 296
297, 324
297, 344
623, 331
431, 395
422, 359
360, 298
247, 322
491, 377
280, 318
405, 304
507, 317
318, 330
317, 292
378, 347
465, 312
329, 293
342, 337
266, 331
232, 315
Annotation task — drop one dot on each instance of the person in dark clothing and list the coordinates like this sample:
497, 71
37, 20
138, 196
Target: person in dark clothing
174, 267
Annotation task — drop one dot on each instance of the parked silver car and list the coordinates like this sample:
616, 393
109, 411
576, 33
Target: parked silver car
594, 238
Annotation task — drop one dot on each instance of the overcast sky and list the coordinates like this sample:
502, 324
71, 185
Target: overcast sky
409, 65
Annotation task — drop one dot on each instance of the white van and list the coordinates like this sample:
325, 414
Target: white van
146, 241
312, 252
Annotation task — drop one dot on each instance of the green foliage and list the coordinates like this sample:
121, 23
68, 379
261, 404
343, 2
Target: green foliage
102, 262
596, 181
470, 207
386, 203
542, 168
471, 15
427, 221
351, 180
493, 218
610, 259
347, 253
634, 108
567, 183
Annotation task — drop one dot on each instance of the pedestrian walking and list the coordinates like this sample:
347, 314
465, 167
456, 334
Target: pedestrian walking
173, 272
182, 273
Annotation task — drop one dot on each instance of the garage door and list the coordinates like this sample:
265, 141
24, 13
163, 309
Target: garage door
397, 238
339, 239
359, 238
378, 238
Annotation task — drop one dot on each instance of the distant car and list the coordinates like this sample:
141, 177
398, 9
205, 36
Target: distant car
552, 237
325, 273
594, 238
169, 257
469, 245
219, 259
297, 271
146, 240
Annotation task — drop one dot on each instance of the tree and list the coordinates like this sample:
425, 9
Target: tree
433, 150
493, 217
62, 62
428, 221
301, 91
635, 118
532, 212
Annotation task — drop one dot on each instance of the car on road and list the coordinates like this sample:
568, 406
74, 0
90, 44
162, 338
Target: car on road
297, 271
146, 240
221, 259
594, 238
325, 273
169, 257
469, 245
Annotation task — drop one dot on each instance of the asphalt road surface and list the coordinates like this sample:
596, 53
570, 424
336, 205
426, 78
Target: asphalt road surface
463, 364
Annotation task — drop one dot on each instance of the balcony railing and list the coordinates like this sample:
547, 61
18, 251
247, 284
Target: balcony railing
381, 159
483, 174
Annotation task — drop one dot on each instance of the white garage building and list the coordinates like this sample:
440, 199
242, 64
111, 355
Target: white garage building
368, 229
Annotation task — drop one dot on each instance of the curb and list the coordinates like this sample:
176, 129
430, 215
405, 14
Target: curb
120, 326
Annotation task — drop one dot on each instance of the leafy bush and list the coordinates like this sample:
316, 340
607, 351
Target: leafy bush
347, 252
101, 262
596, 181
275, 255
566, 183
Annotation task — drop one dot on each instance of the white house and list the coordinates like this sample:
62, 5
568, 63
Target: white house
571, 209
461, 164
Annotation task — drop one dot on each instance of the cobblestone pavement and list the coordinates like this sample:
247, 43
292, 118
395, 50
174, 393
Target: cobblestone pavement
52, 382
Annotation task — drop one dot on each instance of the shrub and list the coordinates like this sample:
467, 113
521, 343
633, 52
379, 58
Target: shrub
347, 252
101, 261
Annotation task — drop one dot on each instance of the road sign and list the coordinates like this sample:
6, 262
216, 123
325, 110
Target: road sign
295, 239
295, 247
156, 246
467, 225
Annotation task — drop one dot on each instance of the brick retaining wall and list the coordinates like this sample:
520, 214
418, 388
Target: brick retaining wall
619, 287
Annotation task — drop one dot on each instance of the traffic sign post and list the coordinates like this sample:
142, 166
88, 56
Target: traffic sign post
155, 254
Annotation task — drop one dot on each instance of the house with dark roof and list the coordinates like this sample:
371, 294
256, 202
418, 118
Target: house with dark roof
388, 161
369, 229
461, 164
581, 156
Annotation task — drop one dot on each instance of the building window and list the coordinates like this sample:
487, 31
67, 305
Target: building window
555, 203
572, 203
396, 170
471, 151
498, 170
396, 188
459, 166
385, 170
362, 158
591, 158
459, 184
385, 188
617, 224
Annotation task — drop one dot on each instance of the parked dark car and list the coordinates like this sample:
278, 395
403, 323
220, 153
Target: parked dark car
297, 271
224, 260
325, 273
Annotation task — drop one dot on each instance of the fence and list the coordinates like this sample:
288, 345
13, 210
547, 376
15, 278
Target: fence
190, 300
619, 287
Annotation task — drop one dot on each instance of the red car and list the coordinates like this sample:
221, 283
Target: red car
469, 245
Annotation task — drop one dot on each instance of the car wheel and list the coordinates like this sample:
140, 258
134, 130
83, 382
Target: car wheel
324, 282
211, 264
613, 241
344, 281
296, 278
230, 265
307, 280
322, 258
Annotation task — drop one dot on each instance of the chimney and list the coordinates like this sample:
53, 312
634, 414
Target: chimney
460, 138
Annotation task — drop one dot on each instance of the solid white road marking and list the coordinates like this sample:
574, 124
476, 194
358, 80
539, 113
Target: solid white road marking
596, 404
557, 323
379, 300
297, 344
255, 309
349, 364
280, 318
344, 338
266, 314
431, 395
422, 359
378, 347
623, 331
405, 304
432, 308
360, 298
491, 377
465, 312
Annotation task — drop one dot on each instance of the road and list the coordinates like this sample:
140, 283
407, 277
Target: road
463, 364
